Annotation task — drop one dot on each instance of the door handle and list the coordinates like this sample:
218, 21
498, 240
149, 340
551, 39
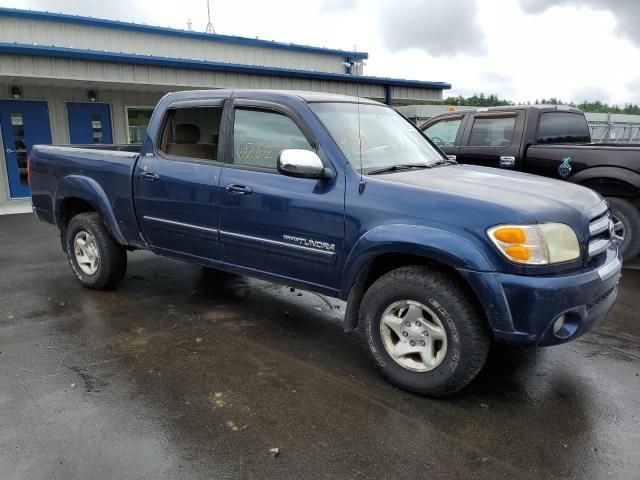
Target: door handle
150, 176
8, 150
238, 189
507, 161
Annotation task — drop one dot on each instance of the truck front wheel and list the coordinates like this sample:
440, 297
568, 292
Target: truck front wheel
95, 257
626, 228
424, 331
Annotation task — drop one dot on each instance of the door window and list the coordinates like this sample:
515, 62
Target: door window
192, 132
259, 136
96, 129
492, 132
20, 147
444, 132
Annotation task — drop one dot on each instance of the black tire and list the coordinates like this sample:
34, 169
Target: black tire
466, 330
112, 257
629, 215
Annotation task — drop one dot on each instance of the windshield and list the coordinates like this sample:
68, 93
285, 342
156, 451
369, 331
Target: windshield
387, 138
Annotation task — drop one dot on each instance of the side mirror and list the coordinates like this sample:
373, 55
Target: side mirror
302, 164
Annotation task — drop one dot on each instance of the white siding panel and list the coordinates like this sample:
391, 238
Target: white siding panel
48, 33
173, 78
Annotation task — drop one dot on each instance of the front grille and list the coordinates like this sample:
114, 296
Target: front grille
599, 234
600, 300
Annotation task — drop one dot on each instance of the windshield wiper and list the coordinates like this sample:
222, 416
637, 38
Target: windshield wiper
397, 168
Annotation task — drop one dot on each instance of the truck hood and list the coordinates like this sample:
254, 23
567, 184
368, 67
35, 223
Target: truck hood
540, 197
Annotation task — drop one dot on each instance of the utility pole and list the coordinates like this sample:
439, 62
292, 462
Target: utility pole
209, 28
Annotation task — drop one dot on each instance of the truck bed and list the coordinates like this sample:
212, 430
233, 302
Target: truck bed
56, 171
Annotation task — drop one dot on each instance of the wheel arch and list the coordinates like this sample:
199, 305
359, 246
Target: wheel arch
380, 251
77, 194
610, 181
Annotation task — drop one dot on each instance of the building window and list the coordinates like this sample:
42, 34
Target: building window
138, 119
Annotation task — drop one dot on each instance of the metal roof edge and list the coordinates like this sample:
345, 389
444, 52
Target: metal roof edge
130, 58
137, 27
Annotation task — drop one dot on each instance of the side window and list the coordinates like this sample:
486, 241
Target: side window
563, 127
444, 133
492, 132
192, 132
259, 136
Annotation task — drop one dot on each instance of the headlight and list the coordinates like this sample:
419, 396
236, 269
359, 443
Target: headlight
536, 244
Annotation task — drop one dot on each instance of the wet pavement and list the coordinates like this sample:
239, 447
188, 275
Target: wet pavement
188, 373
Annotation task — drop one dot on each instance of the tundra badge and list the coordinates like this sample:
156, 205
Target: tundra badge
305, 242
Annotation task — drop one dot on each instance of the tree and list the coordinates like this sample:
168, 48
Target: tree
492, 100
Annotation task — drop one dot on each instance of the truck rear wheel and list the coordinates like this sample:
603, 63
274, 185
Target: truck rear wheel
423, 331
95, 257
626, 229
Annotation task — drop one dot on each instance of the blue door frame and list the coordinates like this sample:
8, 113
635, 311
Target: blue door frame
24, 123
89, 123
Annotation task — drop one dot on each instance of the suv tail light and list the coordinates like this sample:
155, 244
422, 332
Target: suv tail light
29, 170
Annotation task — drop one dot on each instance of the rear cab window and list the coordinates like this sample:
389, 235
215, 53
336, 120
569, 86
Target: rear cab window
563, 127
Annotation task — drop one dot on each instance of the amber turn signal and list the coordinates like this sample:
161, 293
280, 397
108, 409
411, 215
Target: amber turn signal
513, 235
518, 252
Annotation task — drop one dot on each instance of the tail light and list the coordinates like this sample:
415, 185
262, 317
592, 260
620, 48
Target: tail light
29, 170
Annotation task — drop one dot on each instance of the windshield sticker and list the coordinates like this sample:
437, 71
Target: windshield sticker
564, 170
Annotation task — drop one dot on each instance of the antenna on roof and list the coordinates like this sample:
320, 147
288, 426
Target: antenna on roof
209, 28
361, 185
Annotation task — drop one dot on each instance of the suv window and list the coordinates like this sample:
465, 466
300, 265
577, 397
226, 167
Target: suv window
259, 136
192, 132
492, 132
563, 127
444, 132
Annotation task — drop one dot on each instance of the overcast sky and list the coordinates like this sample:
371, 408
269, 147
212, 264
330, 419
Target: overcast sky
519, 49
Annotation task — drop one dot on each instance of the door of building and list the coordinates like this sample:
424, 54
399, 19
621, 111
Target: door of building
89, 123
24, 123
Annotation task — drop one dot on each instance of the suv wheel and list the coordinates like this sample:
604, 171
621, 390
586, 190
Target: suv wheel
626, 228
424, 331
95, 257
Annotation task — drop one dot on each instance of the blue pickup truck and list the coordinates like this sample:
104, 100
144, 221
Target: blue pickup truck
342, 196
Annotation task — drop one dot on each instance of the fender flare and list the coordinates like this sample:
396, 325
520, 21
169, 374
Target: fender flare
620, 174
90, 191
431, 243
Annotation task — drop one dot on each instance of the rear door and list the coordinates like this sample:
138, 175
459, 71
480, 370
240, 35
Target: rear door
492, 139
280, 225
446, 133
176, 186
89, 123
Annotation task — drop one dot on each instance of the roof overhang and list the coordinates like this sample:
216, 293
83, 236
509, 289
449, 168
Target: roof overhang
133, 59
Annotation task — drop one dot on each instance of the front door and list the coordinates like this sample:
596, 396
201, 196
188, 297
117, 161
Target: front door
291, 228
176, 187
24, 124
89, 123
